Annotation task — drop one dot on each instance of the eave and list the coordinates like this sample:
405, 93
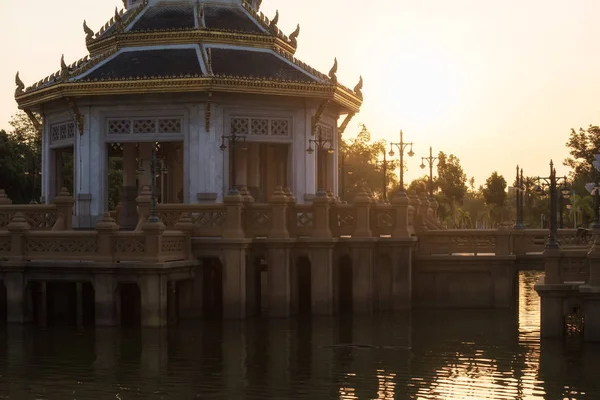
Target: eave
336, 93
156, 38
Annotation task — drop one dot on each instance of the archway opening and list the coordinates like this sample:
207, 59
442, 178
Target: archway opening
345, 278
131, 304
304, 285
212, 288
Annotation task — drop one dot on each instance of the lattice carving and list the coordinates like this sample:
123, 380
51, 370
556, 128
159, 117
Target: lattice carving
304, 219
40, 220
62, 132
345, 219
239, 126
130, 244
259, 126
61, 245
119, 127
144, 126
5, 244
209, 219
280, 127
261, 219
324, 131
169, 218
172, 245
385, 220
171, 125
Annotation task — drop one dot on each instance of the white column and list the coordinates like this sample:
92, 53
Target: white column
205, 159
83, 167
194, 154
46, 167
145, 152
303, 165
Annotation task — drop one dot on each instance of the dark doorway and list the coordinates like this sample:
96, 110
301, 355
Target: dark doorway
303, 279
212, 288
345, 284
131, 304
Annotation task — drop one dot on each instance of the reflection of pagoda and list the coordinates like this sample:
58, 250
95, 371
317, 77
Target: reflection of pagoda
180, 75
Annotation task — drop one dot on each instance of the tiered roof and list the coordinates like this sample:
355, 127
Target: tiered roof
187, 46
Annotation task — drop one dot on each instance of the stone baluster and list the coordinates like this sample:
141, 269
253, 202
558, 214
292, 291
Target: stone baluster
144, 202
245, 193
233, 228
503, 242
404, 212
321, 206
105, 230
185, 225
18, 228
279, 202
153, 232
64, 207
4, 199
362, 203
423, 212
289, 194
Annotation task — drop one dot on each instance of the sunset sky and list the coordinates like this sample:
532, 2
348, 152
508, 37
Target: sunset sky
494, 82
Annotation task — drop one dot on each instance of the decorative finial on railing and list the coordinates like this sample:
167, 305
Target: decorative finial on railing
4, 199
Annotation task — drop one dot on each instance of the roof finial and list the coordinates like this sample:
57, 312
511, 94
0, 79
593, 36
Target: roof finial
117, 16
200, 10
20, 85
333, 71
89, 34
358, 87
274, 21
258, 3
63, 65
294, 36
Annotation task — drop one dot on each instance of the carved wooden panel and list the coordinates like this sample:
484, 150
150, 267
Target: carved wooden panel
63, 133
144, 126
261, 126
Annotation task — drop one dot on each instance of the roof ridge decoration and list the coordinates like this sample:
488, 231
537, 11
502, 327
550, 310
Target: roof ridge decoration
358, 88
89, 34
20, 85
333, 71
269, 25
294, 36
121, 19
273, 24
200, 15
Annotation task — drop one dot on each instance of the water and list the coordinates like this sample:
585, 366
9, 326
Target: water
426, 355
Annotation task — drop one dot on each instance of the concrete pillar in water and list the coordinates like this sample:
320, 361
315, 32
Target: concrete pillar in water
105, 299
153, 290
172, 302
128, 218
279, 342
79, 301
402, 272
362, 275
279, 278
42, 305
322, 294
234, 280
15, 297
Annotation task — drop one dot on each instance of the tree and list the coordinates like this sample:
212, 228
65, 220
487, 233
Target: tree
494, 191
451, 181
583, 145
360, 165
420, 185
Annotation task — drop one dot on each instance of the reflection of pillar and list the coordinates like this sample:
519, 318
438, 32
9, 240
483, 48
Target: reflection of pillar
322, 279
362, 277
79, 301
234, 357
128, 217
153, 290
280, 343
234, 282
42, 305
15, 299
279, 280
154, 354
105, 292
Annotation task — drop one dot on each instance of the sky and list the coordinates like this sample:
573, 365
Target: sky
496, 83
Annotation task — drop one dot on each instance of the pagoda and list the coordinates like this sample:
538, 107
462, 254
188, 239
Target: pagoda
208, 89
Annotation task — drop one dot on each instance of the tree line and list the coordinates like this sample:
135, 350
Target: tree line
361, 163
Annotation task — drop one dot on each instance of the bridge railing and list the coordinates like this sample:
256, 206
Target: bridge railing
19, 243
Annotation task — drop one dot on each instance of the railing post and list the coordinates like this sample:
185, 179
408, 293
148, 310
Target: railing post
185, 225
18, 228
404, 214
64, 209
153, 232
552, 259
594, 259
278, 203
423, 212
290, 195
143, 201
503, 241
105, 230
362, 202
233, 228
518, 245
321, 205
4, 199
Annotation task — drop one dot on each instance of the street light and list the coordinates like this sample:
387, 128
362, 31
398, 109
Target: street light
520, 196
430, 160
321, 144
233, 139
401, 147
551, 182
383, 166
564, 194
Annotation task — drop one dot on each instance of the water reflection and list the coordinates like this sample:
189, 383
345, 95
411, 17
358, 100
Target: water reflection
426, 355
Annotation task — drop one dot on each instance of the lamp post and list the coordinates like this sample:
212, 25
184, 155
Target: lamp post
564, 194
383, 166
430, 160
233, 139
401, 146
551, 182
520, 196
322, 145
153, 170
